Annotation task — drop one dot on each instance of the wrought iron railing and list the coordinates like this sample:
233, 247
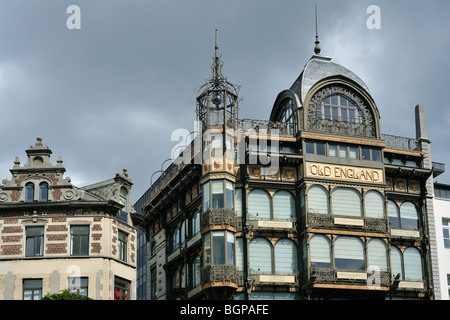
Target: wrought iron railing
400, 143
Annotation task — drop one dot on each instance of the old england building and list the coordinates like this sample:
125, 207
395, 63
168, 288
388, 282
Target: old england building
55, 236
313, 203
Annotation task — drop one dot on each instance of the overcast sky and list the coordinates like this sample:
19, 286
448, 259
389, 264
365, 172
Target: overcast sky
109, 95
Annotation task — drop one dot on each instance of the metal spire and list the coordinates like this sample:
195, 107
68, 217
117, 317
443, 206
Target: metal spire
317, 47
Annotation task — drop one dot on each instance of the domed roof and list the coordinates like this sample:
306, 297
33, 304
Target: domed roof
318, 68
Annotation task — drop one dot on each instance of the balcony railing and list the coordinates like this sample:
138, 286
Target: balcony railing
400, 143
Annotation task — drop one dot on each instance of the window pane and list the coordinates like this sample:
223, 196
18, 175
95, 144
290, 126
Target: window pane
332, 150
283, 206
320, 252
207, 249
347, 202
409, 216
230, 247
393, 215
29, 192
43, 192
317, 200
377, 254
217, 194
320, 148
218, 247
240, 254
413, 265
374, 204
260, 256
376, 155
343, 151
238, 202
310, 147
230, 195
396, 261
259, 204
353, 153
349, 253
205, 195
365, 153
285, 257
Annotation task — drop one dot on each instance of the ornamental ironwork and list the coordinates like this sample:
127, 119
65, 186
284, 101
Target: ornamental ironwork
218, 217
363, 125
219, 273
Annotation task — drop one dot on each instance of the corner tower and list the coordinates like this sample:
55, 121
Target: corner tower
217, 110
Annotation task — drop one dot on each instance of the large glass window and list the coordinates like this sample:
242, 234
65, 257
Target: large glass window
218, 194
286, 261
240, 254
32, 289
219, 248
260, 256
349, 253
79, 240
346, 202
374, 205
340, 108
259, 204
34, 241
238, 202
196, 272
317, 200
283, 206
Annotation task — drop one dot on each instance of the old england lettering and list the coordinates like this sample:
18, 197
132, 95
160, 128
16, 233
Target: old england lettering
347, 173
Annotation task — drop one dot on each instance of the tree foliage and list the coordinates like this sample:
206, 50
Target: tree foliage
65, 295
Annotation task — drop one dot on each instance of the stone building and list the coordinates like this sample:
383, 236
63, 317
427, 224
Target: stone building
313, 203
55, 236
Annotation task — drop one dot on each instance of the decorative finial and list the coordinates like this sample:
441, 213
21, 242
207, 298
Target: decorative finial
216, 59
317, 47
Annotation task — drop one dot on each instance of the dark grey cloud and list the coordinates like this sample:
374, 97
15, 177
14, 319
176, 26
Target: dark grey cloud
109, 96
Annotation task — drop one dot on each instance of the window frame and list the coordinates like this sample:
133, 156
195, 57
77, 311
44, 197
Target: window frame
79, 236
30, 240
122, 246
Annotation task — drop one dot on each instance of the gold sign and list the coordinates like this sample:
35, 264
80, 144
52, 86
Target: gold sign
347, 173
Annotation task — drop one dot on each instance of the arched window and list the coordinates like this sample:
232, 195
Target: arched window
349, 253
374, 205
394, 221
260, 256
409, 217
320, 252
43, 192
317, 200
259, 205
286, 261
29, 192
283, 206
396, 262
377, 254
346, 202
413, 264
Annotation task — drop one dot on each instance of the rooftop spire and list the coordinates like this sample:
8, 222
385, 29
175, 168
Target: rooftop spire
317, 47
217, 63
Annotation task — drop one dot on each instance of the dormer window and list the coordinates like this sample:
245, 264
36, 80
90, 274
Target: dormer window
43, 192
29, 192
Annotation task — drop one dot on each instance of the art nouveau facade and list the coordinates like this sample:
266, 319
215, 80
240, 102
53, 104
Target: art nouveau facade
55, 236
315, 203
